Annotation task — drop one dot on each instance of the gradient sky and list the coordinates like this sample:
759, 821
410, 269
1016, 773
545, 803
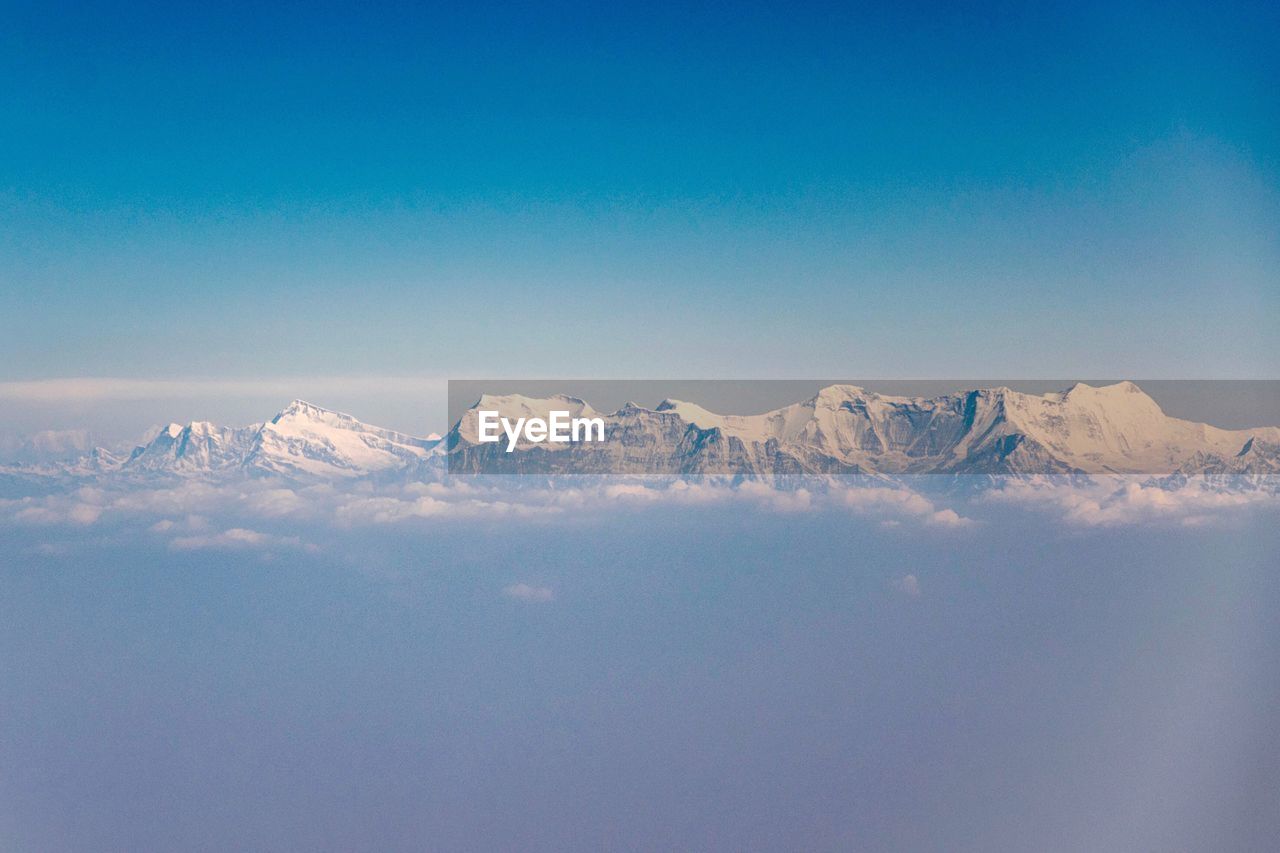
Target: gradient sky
308, 190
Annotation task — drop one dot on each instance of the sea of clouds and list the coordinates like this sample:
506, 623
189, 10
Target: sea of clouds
273, 515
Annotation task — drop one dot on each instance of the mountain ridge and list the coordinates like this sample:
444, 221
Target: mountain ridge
846, 429
842, 429
302, 439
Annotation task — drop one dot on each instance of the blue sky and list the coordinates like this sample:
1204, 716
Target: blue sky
244, 193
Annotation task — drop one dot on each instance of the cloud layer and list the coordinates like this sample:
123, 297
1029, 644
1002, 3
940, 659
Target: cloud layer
269, 515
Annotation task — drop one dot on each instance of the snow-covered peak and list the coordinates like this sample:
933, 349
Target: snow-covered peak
518, 405
198, 446
301, 410
842, 393
1117, 394
691, 412
302, 439
1124, 386
306, 439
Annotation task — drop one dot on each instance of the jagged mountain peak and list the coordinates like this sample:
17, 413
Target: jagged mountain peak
1117, 393
1124, 386
299, 406
302, 439
691, 412
508, 402
301, 409
836, 395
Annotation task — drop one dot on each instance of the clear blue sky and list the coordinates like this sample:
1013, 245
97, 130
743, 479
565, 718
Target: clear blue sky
239, 191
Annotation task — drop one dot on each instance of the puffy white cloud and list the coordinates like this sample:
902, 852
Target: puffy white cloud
237, 538
52, 549
278, 503
908, 585
81, 507
947, 518
194, 506
1119, 501
900, 504
399, 507
525, 592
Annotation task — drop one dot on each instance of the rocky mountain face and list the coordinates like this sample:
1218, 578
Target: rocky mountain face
844, 429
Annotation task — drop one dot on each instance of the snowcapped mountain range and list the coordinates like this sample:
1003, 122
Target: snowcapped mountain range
301, 441
844, 429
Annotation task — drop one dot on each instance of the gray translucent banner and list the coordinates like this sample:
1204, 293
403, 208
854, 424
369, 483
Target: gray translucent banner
791, 427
